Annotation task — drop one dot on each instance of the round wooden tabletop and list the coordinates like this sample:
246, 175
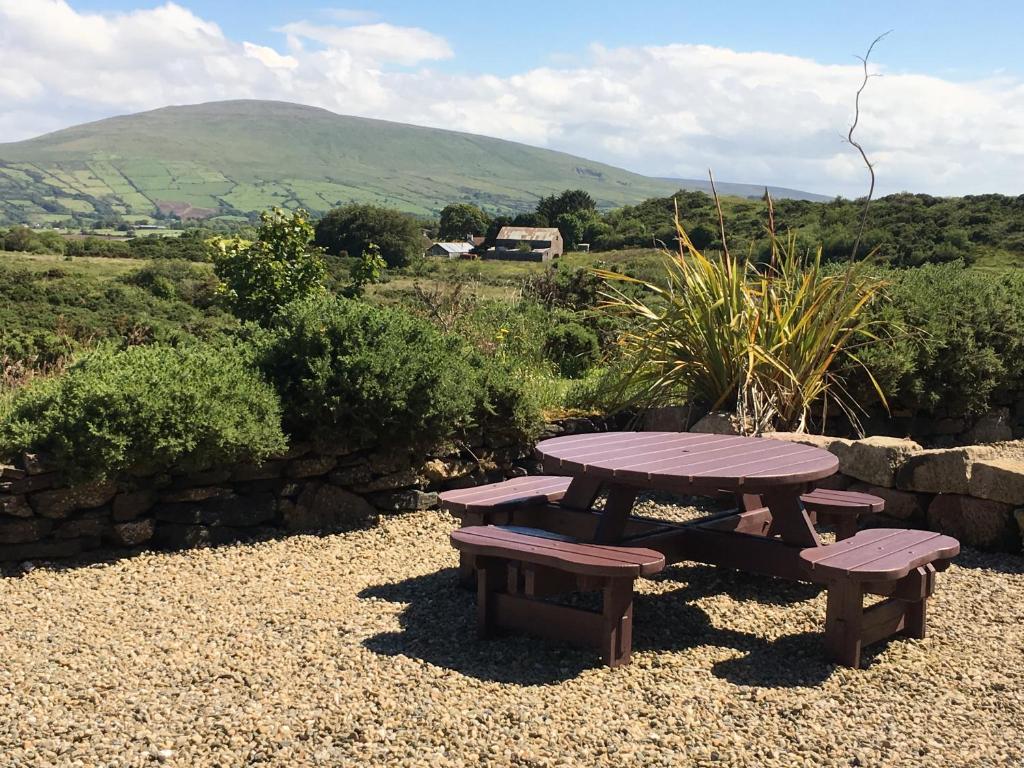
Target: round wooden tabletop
678, 461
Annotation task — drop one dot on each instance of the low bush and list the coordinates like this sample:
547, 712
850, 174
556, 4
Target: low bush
961, 342
150, 408
343, 367
574, 348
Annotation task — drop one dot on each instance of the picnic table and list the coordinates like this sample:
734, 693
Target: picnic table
765, 534
526, 538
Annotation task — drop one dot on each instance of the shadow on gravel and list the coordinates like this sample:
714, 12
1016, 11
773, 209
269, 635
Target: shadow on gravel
703, 580
1000, 562
439, 627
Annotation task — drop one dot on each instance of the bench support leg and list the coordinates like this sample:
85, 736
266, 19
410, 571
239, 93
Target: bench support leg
505, 600
849, 626
843, 616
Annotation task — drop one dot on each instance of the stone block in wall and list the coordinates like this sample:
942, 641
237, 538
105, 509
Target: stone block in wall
46, 549
19, 531
825, 442
836, 482
404, 501
212, 476
719, 423
975, 522
132, 533
324, 507
131, 504
199, 493
578, 425
14, 506
874, 460
404, 478
900, 505
268, 470
670, 418
30, 483
310, 466
335, 447
437, 471
236, 511
351, 475
11, 472
999, 480
385, 462
61, 502
939, 470
83, 527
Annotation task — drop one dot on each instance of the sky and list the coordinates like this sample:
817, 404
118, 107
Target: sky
759, 92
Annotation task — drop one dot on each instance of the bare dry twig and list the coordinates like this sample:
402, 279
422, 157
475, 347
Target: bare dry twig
721, 219
856, 144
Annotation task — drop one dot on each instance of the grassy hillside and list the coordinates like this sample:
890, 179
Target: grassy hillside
230, 158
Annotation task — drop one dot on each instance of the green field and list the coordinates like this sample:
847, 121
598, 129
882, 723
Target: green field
244, 156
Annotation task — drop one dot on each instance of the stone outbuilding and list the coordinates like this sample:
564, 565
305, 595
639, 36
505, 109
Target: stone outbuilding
527, 244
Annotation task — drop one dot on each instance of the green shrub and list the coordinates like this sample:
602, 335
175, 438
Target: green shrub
506, 402
962, 340
351, 228
574, 348
343, 367
176, 279
278, 267
147, 407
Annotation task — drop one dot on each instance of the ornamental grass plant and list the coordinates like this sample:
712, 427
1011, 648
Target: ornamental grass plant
773, 340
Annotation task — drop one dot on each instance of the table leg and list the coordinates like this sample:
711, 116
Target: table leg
581, 493
612, 524
790, 521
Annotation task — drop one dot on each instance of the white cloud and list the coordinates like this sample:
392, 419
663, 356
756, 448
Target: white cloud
664, 110
375, 42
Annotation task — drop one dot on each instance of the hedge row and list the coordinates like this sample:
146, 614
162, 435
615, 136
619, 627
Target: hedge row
328, 368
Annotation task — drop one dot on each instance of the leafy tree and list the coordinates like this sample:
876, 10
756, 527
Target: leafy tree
259, 277
352, 228
461, 219
572, 226
570, 201
368, 269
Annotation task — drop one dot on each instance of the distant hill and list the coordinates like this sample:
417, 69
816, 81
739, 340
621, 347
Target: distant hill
235, 157
742, 190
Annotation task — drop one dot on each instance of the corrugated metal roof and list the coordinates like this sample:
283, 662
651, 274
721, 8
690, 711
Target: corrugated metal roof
456, 247
528, 233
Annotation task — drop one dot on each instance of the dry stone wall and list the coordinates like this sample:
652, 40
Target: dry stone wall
311, 488
975, 493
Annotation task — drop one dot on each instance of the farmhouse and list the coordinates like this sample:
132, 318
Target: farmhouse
527, 244
450, 250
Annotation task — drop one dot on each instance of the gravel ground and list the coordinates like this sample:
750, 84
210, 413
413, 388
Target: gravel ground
358, 649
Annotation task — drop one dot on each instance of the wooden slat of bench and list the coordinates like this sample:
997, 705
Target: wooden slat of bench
826, 500
881, 554
518, 491
584, 559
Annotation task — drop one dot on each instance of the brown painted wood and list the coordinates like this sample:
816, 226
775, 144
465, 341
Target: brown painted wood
616, 512
587, 559
838, 502
582, 492
789, 520
517, 492
880, 554
673, 461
